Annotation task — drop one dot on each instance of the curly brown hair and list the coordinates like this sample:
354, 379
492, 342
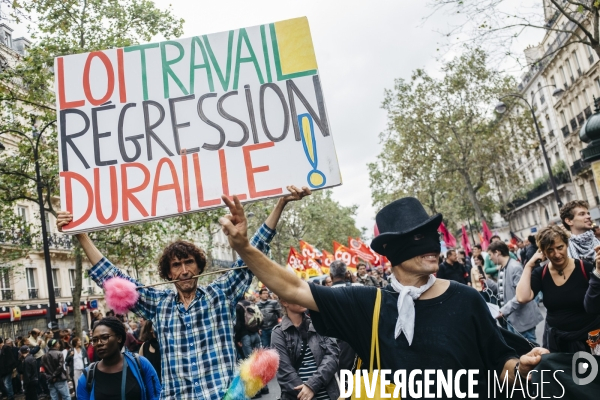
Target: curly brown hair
180, 249
545, 238
567, 211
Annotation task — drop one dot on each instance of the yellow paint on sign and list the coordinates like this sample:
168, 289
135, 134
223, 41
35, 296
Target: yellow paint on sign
296, 51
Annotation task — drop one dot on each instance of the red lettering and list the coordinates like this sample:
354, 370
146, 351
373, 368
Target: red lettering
114, 196
62, 97
128, 193
186, 183
121, 72
171, 186
110, 73
250, 171
68, 175
224, 178
199, 189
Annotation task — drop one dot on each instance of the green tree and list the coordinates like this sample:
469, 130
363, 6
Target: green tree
63, 27
443, 138
317, 219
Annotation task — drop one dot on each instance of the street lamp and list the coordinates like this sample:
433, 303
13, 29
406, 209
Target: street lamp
53, 323
501, 109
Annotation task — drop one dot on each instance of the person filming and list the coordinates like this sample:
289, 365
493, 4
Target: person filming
571, 289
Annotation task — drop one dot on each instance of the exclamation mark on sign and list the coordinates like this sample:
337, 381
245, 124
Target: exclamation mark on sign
315, 178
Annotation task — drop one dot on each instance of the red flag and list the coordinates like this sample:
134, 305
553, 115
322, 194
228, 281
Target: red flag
295, 259
327, 258
464, 241
448, 238
363, 251
487, 235
308, 250
341, 252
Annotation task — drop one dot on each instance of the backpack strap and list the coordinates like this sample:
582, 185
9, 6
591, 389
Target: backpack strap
139, 365
583, 270
89, 376
544, 271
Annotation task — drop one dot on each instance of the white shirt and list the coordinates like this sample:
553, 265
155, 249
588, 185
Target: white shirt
78, 359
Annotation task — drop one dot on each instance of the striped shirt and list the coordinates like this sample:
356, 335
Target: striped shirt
308, 369
197, 346
501, 279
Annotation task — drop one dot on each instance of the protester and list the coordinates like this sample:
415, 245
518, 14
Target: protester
271, 311
106, 376
484, 285
195, 329
30, 373
576, 217
520, 318
54, 370
151, 349
490, 268
327, 281
596, 229
441, 324
530, 250
464, 259
77, 360
362, 277
452, 270
571, 290
308, 361
8, 362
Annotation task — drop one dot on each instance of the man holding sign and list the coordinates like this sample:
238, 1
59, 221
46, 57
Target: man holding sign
194, 325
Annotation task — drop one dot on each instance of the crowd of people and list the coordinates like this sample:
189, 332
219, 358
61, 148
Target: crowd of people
320, 329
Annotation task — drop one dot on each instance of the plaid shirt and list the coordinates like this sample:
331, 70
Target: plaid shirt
198, 356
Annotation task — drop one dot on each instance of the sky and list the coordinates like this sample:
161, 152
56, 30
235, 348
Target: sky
361, 47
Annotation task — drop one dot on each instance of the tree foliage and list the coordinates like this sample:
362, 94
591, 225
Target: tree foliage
497, 24
443, 140
317, 219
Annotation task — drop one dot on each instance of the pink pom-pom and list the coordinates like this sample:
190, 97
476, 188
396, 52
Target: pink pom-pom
265, 364
120, 295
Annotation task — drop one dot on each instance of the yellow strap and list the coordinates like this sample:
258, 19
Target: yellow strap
375, 332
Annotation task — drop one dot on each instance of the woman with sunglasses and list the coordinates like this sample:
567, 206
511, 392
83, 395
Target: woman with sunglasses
118, 375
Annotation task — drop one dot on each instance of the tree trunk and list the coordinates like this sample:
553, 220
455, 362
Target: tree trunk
472, 194
78, 287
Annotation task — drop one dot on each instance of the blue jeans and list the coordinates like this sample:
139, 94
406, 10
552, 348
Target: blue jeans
249, 343
7, 381
528, 334
265, 337
59, 387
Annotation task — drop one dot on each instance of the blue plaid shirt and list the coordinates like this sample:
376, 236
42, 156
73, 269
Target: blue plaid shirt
198, 357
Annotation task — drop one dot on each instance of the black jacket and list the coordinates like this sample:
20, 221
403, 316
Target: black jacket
271, 311
30, 369
455, 272
288, 343
8, 361
53, 364
70, 357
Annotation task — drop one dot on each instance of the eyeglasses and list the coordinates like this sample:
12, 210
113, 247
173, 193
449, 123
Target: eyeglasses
102, 340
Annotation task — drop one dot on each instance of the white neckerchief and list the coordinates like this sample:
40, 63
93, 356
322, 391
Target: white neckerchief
406, 306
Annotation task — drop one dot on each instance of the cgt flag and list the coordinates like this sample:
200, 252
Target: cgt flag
341, 252
363, 251
295, 260
308, 250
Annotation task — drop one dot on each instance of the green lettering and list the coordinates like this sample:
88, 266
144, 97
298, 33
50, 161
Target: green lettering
224, 80
166, 66
243, 36
142, 48
194, 67
263, 36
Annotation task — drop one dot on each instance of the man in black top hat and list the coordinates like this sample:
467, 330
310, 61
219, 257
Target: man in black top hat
425, 324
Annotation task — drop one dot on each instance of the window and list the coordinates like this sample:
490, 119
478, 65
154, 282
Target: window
5, 285
7, 39
31, 285
590, 54
570, 69
48, 224
577, 64
563, 118
22, 212
56, 282
548, 123
583, 194
597, 83
541, 92
573, 114
586, 98
563, 76
573, 155
553, 81
594, 191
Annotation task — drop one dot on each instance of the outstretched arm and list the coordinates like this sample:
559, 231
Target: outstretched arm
286, 285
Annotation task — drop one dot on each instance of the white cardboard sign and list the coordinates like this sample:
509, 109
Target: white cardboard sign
161, 129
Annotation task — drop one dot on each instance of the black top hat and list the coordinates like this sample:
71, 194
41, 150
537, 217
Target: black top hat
400, 218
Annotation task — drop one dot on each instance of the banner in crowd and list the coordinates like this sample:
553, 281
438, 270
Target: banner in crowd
309, 250
341, 252
162, 129
327, 258
363, 251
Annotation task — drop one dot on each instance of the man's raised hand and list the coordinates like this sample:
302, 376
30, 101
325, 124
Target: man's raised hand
235, 225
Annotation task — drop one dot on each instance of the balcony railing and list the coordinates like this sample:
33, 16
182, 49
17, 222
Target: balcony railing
580, 118
56, 292
587, 112
7, 294
574, 124
578, 166
22, 237
33, 293
59, 241
545, 187
565, 130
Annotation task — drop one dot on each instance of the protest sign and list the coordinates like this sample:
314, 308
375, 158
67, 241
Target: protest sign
161, 129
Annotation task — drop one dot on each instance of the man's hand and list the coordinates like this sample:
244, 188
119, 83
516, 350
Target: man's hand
235, 225
306, 393
63, 218
530, 360
296, 194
